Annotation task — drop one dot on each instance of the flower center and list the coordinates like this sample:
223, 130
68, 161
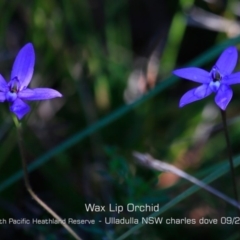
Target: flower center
216, 76
14, 87
216, 80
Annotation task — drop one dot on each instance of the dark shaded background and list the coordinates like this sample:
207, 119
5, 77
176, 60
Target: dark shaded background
101, 55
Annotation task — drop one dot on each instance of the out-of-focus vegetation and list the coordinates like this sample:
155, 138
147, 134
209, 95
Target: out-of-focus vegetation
103, 56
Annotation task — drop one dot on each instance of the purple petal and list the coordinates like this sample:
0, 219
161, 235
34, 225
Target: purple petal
202, 91
195, 95
19, 108
3, 84
224, 96
2, 96
26, 93
232, 79
227, 61
23, 65
39, 94
194, 74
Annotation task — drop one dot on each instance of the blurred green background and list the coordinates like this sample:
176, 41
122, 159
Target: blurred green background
104, 56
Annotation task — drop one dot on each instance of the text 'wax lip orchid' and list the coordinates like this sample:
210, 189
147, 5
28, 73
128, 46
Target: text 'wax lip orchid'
218, 80
16, 91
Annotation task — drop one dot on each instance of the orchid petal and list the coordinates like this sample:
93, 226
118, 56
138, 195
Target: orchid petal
19, 108
191, 96
224, 96
3, 84
2, 96
232, 79
26, 93
227, 61
202, 91
39, 94
194, 74
24, 65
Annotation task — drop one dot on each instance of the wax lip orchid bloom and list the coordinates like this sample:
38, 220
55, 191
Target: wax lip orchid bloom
16, 91
218, 80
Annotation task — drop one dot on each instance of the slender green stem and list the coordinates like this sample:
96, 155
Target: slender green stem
223, 114
29, 188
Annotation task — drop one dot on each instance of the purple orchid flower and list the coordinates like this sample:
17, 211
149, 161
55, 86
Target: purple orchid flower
218, 80
16, 91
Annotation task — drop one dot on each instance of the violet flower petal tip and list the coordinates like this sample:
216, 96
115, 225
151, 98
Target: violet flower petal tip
195, 94
3, 84
224, 96
2, 96
19, 108
39, 94
181, 104
46, 93
227, 60
188, 97
24, 65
